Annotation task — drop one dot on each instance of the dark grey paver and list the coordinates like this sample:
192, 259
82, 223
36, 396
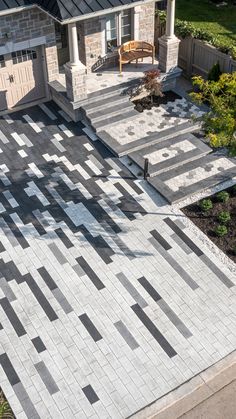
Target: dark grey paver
92, 330
38, 344
9, 369
90, 394
154, 331
12, 317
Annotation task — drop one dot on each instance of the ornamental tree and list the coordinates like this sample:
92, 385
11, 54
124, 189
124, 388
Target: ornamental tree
220, 122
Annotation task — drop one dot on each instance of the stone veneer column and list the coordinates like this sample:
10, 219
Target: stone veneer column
169, 43
75, 71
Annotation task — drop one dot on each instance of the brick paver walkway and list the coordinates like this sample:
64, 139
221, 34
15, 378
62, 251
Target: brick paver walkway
107, 301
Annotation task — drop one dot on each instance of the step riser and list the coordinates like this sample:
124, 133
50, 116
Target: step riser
111, 114
106, 105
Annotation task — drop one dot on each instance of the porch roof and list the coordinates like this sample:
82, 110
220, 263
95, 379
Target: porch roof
71, 10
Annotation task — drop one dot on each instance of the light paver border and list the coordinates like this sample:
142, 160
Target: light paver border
193, 392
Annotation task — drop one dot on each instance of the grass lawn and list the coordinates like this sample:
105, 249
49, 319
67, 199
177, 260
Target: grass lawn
220, 21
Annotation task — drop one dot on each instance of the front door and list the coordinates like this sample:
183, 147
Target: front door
21, 78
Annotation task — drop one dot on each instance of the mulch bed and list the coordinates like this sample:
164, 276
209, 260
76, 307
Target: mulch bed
208, 222
148, 102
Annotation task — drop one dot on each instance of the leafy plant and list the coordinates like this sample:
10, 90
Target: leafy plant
206, 205
5, 409
162, 15
221, 230
224, 217
215, 72
233, 189
151, 82
222, 196
185, 28
220, 122
234, 249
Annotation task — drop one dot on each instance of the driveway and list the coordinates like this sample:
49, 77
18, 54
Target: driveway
107, 300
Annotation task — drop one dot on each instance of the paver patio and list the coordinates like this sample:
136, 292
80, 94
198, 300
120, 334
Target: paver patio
107, 300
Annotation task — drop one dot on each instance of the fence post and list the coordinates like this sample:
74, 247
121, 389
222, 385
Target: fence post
145, 170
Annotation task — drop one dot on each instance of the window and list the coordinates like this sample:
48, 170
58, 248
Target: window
118, 29
125, 26
2, 61
23, 55
111, 32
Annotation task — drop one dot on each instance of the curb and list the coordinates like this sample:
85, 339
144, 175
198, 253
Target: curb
193, 392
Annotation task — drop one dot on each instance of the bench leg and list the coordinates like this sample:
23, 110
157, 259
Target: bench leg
136, 63
120, 67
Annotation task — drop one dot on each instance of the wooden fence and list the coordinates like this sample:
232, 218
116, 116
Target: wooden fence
195, 56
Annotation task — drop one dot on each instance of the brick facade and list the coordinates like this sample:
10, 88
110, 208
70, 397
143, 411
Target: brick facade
91, 34
27, 25
147, 22
90, 42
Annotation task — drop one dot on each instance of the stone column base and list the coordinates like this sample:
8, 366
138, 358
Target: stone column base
76, 82
168, 53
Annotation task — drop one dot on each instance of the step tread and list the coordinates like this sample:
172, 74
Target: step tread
115, 88
200, 149
212, 179
154, 138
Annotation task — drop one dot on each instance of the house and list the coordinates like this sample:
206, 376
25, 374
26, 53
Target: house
37, 37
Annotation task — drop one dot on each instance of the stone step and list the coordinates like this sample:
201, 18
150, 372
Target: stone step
105, 103
124, 149
109, 121
115, 109
193, 177
170, 153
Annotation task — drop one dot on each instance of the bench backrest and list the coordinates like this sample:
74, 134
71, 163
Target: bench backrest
135, 46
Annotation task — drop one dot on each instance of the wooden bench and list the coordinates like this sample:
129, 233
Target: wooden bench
134, 50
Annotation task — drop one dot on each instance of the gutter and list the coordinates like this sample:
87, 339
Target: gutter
16, 10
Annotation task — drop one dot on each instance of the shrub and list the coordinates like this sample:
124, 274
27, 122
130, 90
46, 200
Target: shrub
234, 190
234, 249
151, 82
221, 230
184, 29
214, 73
224, 217
205, 205
222, 196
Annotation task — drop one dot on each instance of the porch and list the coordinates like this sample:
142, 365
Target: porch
109, 77
88, 73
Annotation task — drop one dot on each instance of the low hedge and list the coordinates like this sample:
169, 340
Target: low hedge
184, 29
